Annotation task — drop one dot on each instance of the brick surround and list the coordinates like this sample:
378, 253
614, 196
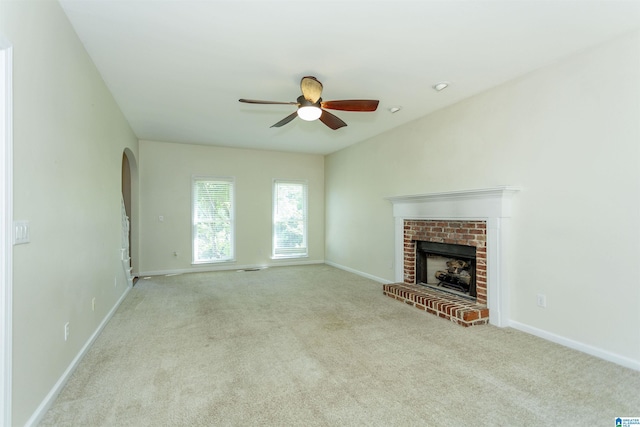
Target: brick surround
469, 233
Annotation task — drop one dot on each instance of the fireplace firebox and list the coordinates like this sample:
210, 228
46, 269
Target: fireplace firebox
446, 265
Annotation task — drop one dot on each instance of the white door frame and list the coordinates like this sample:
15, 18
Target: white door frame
6, 227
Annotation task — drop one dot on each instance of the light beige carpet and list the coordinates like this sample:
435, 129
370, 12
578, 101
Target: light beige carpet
317, 346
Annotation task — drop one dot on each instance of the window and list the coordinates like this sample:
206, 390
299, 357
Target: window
213, 220
289, 219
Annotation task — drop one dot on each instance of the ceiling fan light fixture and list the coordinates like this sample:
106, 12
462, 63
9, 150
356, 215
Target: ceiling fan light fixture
309, 113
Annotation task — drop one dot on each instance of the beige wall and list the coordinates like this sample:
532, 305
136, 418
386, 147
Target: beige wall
165, 185
69, 136
569, 135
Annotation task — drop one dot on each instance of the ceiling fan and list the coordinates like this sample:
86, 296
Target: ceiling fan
312, 107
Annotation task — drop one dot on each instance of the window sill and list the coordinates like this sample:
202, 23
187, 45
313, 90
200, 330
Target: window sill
226, 261
277, 257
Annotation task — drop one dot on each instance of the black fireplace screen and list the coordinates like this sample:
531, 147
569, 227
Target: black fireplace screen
446, 265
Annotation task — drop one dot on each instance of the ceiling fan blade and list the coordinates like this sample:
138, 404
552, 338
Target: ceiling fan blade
255, 101
351, 105
285, 120
311, 88
334, 122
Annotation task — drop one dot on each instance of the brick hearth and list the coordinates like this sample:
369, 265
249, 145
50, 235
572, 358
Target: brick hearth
456, 309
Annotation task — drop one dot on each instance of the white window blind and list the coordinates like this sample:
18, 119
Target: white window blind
289, 219
213, 219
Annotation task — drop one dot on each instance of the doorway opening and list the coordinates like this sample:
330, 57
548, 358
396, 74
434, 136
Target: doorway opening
129, 213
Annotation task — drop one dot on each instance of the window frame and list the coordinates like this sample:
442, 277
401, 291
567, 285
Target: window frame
219, 179
281, 253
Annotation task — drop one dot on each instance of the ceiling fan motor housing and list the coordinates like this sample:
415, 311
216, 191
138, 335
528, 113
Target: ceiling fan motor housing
304, 102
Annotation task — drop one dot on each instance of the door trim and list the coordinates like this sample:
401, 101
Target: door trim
6, 226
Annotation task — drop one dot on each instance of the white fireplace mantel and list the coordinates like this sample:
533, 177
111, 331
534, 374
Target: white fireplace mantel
485, 202
492, 205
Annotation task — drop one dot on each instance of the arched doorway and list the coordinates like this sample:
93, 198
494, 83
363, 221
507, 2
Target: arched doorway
129, 202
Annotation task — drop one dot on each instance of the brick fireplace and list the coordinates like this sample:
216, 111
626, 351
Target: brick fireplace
461, 310
466, 233
475, 218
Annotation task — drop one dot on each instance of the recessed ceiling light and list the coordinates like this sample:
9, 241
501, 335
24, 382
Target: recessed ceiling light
395, 109
440, 86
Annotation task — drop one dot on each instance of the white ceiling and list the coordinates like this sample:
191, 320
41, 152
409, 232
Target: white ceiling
178, 68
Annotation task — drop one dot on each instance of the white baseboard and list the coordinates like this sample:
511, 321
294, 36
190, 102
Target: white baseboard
584, 348
359, 273
57, 388
226, 267
283, 263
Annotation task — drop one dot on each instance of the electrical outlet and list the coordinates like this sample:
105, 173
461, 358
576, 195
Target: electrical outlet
93, 304
66, 331
542, 300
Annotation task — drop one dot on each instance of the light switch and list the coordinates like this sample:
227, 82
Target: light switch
20, 232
